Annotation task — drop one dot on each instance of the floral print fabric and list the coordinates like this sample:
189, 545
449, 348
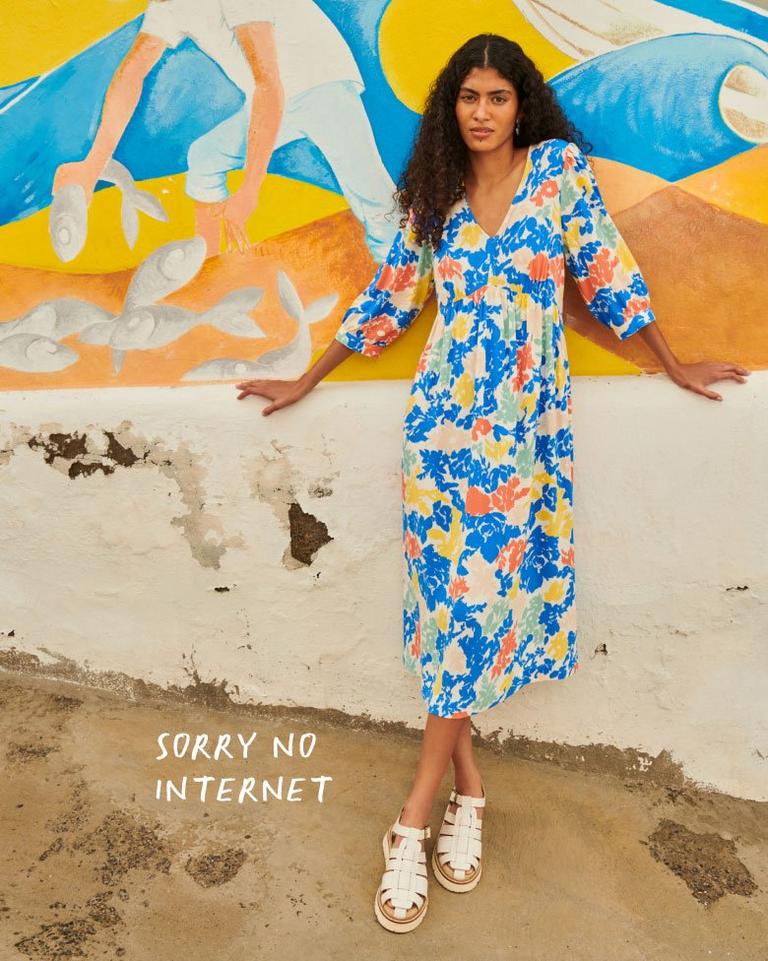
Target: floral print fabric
487, 457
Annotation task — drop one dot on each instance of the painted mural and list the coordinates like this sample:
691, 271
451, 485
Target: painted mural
195, 191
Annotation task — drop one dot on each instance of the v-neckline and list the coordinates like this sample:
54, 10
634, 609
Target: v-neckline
523, 181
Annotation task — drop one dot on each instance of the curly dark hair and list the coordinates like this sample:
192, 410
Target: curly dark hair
433, 179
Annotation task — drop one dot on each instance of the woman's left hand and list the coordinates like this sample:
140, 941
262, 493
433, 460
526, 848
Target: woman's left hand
695, 377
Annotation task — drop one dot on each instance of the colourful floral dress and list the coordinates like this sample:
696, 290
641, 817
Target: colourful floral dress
487, 460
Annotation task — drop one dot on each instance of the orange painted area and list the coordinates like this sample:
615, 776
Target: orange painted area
740, 185
336, 242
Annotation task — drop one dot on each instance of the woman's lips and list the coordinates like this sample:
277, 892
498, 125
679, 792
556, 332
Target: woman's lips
480, 132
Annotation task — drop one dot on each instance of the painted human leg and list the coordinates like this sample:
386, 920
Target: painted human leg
333, 117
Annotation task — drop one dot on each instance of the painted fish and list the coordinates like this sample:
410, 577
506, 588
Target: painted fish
35, 354
68, 221
57, 319
133, 200
232, 313
165, 271
287, 361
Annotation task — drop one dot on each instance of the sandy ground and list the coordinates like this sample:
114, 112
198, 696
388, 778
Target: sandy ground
577, 865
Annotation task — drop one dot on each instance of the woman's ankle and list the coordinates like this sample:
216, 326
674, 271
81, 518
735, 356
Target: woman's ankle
415, 815
468, 782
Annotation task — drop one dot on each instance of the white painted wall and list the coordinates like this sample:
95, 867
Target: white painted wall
670, 520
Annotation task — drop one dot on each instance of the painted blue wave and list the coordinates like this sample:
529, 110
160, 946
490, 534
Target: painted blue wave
57, 119
653, 105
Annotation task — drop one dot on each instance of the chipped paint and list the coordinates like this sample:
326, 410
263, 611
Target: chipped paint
276, 482
83, 454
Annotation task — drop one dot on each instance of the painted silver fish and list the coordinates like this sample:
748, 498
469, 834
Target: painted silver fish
232, 313
223, 368
68, 217
133, 200
57, 318
287, 361
35, 354
157, 325
68, 221
165, 271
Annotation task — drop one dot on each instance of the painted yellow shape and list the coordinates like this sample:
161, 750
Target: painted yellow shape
441, 618
586, 358
416, 40
734, 184
38, 35
284, 204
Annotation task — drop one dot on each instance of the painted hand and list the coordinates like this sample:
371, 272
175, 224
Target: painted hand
80, 172
696, 376
235, 212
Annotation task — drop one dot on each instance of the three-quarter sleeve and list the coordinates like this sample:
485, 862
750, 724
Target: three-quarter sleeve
393, 299
605, 271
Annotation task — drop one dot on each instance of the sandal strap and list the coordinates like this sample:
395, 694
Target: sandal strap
456, 798
459, 843
404, 882
406, 831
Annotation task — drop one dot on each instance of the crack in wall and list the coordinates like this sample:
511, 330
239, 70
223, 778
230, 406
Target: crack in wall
96, 450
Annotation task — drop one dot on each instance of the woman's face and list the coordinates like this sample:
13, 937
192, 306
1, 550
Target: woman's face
486, 109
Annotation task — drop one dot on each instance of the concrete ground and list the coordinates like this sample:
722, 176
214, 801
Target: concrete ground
577, 865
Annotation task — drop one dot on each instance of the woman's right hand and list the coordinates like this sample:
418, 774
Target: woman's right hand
282, 393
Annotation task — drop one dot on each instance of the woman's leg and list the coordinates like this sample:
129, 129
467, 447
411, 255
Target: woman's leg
437, 747
466, 772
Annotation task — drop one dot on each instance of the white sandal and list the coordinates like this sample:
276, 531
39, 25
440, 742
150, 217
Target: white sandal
457, 855
401, 900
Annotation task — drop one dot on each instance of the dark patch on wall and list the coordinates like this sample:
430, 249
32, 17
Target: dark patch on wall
63, 445
80, 455
212, 694
308, 534
124, 456
706, 862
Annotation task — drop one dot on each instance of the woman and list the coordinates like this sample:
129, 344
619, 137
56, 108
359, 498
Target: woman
496, 195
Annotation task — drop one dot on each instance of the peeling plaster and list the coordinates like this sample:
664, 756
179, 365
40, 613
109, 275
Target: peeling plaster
275, 482
95, 450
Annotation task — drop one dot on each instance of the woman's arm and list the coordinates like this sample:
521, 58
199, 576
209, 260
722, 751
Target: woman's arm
378, 315
609, 279
695, 376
